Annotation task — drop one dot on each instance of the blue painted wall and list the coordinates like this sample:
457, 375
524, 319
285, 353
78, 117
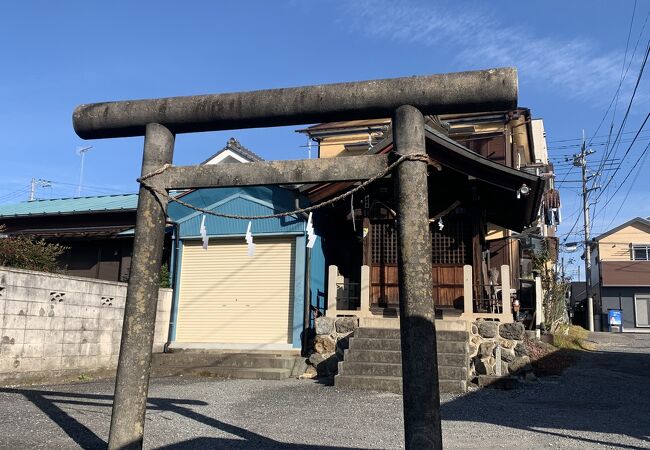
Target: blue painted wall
250, 201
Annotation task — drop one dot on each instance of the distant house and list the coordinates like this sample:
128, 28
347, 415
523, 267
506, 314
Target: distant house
98, 231
621, 275
233, 152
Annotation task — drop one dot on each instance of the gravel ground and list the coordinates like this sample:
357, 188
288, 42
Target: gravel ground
601, 402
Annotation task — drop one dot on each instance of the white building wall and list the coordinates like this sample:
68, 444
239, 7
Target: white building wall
539, 141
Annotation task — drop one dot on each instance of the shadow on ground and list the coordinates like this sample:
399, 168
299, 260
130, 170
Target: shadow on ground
50, 402
604, 393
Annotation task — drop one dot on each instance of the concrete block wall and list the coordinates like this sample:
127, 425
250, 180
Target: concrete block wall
55, 326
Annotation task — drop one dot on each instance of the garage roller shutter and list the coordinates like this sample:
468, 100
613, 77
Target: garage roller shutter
228, 297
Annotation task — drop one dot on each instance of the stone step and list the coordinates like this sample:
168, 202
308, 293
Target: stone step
383, 384
395, 357
452, 373
453, 359
370, 369
377, 333
391, 384
360, 343
373, 356
242, 373
242, 360
388, 333
395, 370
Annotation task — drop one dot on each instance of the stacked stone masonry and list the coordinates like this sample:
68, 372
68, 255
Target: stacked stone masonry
497, 349
330, 342
53, 326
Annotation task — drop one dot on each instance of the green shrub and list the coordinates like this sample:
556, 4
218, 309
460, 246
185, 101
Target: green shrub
30, 254
572, 337
164, 276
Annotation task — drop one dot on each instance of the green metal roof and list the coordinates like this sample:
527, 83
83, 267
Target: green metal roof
103, 203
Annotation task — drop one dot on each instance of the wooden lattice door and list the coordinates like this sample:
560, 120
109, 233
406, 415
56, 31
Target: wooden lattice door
449, 247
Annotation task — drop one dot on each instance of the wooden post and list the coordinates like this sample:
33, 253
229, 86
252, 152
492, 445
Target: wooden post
539, 306
364, 309
468, 292
506, 306
332, 290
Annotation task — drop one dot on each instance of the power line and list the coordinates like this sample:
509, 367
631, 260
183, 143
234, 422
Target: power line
597, 144
616, 94
579, 139
636, 164
615, 145
624, 156
620, 82
629, 105
14, 194
95, 188
629, 189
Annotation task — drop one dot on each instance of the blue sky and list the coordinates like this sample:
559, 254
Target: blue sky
56, 55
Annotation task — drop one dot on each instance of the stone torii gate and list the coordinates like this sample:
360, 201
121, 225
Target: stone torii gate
406, 100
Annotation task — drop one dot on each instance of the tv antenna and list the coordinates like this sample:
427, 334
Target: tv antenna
82, 152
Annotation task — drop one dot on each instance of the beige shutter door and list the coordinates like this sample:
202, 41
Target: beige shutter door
227, 296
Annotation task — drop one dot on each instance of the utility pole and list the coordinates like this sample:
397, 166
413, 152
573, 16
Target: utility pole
32, 190
580, 160
37, 182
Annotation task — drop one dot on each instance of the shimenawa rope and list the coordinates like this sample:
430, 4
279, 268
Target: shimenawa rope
414, 157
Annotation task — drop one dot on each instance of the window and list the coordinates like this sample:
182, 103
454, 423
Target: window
642, 310
641, 252
451, 245
384, 242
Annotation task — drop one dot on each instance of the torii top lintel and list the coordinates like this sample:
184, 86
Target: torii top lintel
474, 91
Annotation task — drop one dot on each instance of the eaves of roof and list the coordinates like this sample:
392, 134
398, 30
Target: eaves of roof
640, 220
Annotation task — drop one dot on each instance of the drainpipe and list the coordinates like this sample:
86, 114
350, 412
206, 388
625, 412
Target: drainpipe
307, 310
173, 270
307, 293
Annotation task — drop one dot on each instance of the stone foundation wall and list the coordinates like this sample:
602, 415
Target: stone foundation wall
328, 345
492, 343
55, 326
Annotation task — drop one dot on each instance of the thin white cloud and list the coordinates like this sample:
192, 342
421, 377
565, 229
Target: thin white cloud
576, 68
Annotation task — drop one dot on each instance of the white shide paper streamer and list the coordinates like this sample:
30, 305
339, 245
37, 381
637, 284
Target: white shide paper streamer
249, 240
311, 236
204, 233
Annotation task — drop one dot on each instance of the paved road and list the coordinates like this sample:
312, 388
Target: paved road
601, 402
